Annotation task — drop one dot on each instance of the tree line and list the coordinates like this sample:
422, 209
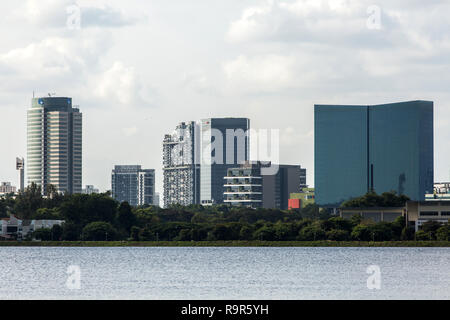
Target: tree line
98, 217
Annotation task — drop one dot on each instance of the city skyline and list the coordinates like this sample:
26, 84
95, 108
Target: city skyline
131, 93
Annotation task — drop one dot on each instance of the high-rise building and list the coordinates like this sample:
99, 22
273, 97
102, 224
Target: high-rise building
248, 185
196, 157
225, 144
382, 148
133, 184
54, 144
180, 168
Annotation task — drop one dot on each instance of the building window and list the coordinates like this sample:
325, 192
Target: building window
428, 213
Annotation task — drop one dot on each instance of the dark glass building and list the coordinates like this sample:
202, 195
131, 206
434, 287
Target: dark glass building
225, 145
133, 185
383, 148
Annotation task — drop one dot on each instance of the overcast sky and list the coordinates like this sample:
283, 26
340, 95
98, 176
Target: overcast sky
137, 68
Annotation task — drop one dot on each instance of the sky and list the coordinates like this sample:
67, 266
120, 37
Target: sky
138, 68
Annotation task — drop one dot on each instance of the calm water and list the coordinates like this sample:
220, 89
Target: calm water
225, 273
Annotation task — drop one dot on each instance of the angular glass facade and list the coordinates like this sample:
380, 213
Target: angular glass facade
383, 148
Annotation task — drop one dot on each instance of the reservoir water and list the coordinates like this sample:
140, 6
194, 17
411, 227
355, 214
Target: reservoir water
224, 273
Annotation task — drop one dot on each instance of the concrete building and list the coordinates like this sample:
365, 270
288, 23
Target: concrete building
133, 184
376, 214
249, 186
20, 167
224, 145
415, 212
441, 192
54, 144
244, 186
6, 188
380, 148
303, 183
13, 228
419, 212
180, 169
305, 197
90, 189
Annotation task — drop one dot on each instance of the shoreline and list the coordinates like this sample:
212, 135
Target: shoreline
231, 243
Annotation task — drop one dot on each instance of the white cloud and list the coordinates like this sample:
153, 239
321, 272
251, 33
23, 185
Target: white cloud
301, 20
55, 14
129, 132
119, 84
267, 72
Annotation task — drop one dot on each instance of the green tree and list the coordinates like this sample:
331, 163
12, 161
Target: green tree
43, 234
47, 214
443, 233
134, 233
125, 217
266, 233
381, 231
221, 232
83, 209
57, 232
431, 227
99, 231
337, 235
184, 235
407, 234
398, 225
283, 231
246, 233
371, 199
146, 234
312, 232
422, 236
71, 231
28, 202
361, 233
355, 220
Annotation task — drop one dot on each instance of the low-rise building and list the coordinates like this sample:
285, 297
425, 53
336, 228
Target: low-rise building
376, 214
415, 212
6, 188
419, 212
301, 199
90, 189
13, 228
